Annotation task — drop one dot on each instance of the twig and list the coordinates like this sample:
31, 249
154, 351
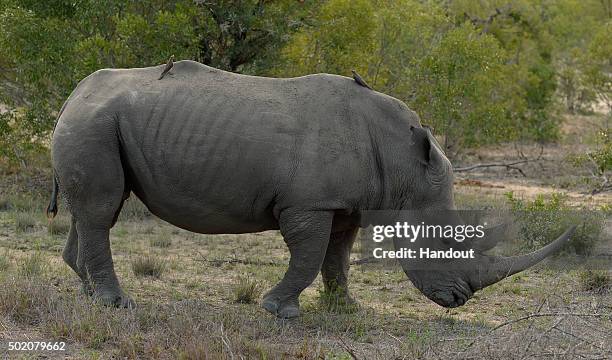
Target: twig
347, 348
526, 317
217, 262
226, 343
555, 327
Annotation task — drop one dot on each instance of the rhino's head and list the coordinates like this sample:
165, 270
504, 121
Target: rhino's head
450, 283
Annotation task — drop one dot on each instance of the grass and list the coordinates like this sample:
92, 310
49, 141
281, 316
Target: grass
204, 307
33, 265
134, 210
161, 241
336, 302
247, 290
59, 226
24, 222
148, 266
5, 264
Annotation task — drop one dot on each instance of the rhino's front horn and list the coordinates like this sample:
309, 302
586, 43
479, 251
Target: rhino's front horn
494, 269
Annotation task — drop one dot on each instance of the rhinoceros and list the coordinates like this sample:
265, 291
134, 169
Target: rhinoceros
216, 152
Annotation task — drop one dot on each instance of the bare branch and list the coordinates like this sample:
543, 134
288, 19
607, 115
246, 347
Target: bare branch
530, 316
508, 165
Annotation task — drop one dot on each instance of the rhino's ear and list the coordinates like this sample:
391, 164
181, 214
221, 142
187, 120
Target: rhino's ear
421, 144
426, 146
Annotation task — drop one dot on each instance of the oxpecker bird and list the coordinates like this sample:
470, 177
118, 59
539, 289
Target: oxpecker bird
168, 67
359, 80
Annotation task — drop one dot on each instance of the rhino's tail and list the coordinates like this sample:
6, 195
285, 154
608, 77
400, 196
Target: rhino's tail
52, 208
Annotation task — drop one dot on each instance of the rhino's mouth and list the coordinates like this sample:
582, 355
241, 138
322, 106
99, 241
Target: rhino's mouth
453, 296
447, 293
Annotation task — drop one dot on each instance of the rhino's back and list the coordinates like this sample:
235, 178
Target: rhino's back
207, 144
214, 151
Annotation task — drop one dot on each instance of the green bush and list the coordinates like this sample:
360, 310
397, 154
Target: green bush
5, 204
595, 280
543, 219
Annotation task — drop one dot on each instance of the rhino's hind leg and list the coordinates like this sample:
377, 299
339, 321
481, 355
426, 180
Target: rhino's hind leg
94, 191
307, 235
335, 271
71, 248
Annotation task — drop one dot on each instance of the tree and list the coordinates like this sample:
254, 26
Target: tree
450, 75
46, 48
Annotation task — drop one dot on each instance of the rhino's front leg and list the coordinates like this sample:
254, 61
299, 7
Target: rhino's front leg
335, 270
307, 235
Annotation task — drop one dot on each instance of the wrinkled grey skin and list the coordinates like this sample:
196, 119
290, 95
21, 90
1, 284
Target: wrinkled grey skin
215, 152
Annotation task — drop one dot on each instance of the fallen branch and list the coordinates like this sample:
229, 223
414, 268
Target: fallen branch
508, 165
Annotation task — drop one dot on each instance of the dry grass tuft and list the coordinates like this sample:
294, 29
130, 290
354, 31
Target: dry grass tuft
161, 241
33, 266
148, 265
4, 263
24, 221
134, 210
59, 226
247, 290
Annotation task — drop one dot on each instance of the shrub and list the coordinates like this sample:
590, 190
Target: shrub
247, 290
5, 204
595, 280
24, 221
148, 266
543, 219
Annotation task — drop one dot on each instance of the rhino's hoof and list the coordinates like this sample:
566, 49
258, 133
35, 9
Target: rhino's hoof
340, 303
282, 309
116, 299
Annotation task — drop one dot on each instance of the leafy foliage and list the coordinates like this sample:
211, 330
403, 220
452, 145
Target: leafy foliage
543, 219
479, 72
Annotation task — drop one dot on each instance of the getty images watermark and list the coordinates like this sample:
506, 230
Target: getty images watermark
457, 239
413, 232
